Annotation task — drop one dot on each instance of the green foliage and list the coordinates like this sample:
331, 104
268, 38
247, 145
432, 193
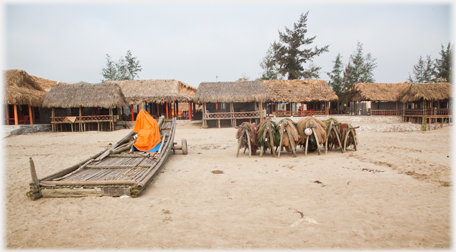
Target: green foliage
270, 67
126, 68
336, 79
443, 65
432, 71
424, 71
289, 56
359, 69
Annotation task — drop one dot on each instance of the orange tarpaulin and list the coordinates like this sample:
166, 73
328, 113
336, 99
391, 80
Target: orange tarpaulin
148, 131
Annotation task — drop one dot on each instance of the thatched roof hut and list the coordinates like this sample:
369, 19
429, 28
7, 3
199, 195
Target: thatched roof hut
299, 91
24, 89
104, 95
140, 92
427, 91
237, 91
382, 92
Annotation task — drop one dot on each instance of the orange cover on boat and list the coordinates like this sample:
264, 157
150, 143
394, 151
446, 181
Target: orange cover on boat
148, 131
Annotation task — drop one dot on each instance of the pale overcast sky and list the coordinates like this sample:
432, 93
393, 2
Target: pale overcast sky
197, 41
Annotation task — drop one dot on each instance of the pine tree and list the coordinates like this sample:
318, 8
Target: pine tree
423, 71
269, 66
336, 82
132, 66
359, 69
126, 68
443, 65
289, 54
110, 72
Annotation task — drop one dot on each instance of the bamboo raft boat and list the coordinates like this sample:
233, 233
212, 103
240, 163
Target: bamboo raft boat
109, 172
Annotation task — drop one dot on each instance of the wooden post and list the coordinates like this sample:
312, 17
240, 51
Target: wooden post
261, 110
233, 122
204, 115
189, 111
132, 113
177, 109
80, 115
16, 120
193, 107
167, 110
111, 123
7, 114
30, 114
52, 119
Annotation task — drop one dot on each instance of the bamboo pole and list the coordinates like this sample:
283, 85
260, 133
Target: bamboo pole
16, 120
102, 182
30, 115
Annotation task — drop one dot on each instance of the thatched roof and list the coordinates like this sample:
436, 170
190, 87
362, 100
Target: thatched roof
104, 95
237, 91
140, 92
299, 90
428, 91
383, 92
24, 89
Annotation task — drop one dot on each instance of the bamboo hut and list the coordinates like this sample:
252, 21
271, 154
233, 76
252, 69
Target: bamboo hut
23, 96
427, 103
314, 96
82, 106
158, 97
384, 97
231, 103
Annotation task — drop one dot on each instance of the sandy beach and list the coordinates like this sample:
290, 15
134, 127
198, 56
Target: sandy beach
393, 193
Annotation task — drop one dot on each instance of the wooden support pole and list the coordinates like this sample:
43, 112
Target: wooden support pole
16, 120
52, 119
7, 114
30, 114
80, 115
190, 111
111, 123
233, 121
193, 107
132, 113
167, 114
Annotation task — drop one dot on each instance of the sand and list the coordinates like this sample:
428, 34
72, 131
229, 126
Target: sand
393, 193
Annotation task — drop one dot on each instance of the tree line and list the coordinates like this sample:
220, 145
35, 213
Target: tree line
287, 58
292, 58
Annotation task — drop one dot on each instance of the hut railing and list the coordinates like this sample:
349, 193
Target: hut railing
232, 115
302, 113
429, 112
411, 112
82, 119
386, 112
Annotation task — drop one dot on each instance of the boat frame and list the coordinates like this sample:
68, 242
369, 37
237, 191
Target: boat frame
109, 172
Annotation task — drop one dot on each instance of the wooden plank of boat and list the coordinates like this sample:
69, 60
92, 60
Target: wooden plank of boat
108, 173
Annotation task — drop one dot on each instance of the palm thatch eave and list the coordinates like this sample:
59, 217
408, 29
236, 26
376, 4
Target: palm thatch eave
381, 92
140, 92
20, 88
427, 91
299, 91
104, 95
227, 92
